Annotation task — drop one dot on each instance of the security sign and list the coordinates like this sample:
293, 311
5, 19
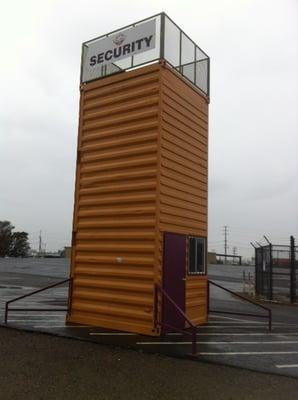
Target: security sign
116, 47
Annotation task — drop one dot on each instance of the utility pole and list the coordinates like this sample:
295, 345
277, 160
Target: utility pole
234, 253
40, 244
226, 241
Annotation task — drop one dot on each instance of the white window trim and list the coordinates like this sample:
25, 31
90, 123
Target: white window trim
204, 256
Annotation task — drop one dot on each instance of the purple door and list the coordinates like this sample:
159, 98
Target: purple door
174, 259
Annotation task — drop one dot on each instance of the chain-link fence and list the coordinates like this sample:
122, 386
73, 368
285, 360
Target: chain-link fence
276, 273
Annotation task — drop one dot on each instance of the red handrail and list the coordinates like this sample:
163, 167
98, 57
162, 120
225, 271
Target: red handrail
158, 288
269, 316
30, 294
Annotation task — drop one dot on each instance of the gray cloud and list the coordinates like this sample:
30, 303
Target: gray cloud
253, 112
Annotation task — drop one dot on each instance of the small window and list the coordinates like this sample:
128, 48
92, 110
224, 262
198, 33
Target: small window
196, 254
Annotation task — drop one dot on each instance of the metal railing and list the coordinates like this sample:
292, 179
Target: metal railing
269, 316
32, 293
172, 44
193, 333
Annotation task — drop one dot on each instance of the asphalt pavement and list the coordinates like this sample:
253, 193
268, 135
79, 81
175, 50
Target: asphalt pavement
42, 367
227, 339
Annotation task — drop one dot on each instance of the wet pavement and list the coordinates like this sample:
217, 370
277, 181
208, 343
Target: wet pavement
232, 340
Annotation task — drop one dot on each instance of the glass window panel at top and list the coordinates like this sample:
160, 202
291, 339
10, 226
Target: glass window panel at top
153, 54
171, 43
187, 50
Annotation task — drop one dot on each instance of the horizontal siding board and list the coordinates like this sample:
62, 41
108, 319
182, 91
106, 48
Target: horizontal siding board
185, 101
108, 308
197, 141
194, 148
116, 234
109, 322
172, 119
123, 108
128, 139
132, 162
147, 148
113, 284
184, 204
149, 112
202, 165
118, 84
177, 176
183, 114
131, 129
113, 297
199, 191
199, 175
183, 195
148, 89
127, 174
188, 92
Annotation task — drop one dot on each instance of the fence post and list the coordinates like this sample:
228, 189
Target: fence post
270, 273
262, 275
256, 273
293, 271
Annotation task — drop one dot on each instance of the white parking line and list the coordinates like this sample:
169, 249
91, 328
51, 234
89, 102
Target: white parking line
221, 343
247, 353
30, 321
49, 313
239, 353
62, 326
287, 366
210, 326
242, 334
233, 319
111, 334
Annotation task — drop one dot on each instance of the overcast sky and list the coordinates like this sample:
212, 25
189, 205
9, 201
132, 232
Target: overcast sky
253, 153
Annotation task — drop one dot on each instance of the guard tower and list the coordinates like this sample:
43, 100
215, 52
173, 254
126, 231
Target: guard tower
140, 213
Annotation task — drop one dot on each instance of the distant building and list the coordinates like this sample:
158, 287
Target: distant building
212, 258
67, 252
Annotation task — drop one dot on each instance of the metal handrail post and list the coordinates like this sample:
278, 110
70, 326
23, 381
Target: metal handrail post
270, 320
194, 328
194, 341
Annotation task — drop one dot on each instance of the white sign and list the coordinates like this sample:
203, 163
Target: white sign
116, 47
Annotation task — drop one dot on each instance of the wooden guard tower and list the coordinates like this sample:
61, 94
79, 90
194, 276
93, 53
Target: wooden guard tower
140, 213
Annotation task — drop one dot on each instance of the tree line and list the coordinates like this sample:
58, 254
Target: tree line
13, 244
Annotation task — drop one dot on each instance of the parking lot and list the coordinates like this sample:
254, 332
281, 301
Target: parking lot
233, 340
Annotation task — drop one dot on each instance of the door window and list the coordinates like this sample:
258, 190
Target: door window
197, 256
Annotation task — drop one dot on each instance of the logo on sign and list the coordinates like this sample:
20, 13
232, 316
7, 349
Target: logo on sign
119, 39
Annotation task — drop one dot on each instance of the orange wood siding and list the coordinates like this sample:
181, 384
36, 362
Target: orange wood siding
114, 245
184, 174
196, 305
141, 171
